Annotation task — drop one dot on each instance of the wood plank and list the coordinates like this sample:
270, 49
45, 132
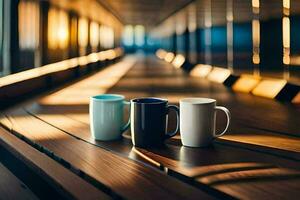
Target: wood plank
239, 136
283, 189
12, 188
123, 176
74, 120
247, 175
58, 176
271, 182
188, 162
78, 126
242, 149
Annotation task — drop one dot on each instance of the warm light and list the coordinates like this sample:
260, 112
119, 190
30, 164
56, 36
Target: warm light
295, 60
169, 57
286, 32
106, 37
58, 66
137, 151
93, 57
28, 24
58, 29
286, 59
178, 61
296, 99
52, 39
83, 32
83, 60
229, 13
255, 3
201, 70
36, 72
269, 88
286, 7
63, 30
74, 31
256, 33
110, 54
102, 56
256, 41
94, 34
245, 83
256, 58
99, 83
286, 4
218, 75
255, 6
160, 53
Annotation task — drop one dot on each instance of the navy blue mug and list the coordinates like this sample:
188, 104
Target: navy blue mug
149, 118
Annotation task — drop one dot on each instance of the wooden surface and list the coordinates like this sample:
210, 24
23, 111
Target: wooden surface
66, 182
260, 151
12, 188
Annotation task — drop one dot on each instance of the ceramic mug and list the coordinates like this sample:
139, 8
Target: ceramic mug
149, 118
106, 116
198, 121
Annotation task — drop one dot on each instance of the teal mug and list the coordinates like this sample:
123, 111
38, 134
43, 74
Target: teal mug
106, 116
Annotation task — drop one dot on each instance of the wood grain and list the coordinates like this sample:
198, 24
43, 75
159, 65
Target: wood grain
185, 161
123, 176
272, 183
80, 129
69, 184
262, 142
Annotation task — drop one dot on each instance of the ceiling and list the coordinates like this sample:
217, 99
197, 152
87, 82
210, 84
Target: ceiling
145, 12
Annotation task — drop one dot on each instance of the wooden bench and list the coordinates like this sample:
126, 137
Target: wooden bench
65, 183
249, 162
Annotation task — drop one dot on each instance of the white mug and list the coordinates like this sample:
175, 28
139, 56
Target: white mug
198, 121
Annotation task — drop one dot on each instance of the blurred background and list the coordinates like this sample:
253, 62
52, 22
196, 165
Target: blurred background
260, 37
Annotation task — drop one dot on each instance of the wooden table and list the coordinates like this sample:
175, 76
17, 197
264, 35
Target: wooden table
258, 158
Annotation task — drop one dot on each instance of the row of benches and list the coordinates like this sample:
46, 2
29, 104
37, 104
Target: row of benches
17, 87
272, 88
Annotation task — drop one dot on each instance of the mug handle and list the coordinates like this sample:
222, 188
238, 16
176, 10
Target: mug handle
173, 107
228, 116
126, 126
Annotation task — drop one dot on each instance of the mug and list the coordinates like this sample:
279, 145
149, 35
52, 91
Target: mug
106, 116
198, 121
149, 118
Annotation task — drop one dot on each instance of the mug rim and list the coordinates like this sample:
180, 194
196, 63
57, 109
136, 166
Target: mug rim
117, 97
198, 100
161, 100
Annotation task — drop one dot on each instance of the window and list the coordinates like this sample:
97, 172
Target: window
28, 25
83, 32
94, 34
128, 35
139, 35
58, 32
106, 37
